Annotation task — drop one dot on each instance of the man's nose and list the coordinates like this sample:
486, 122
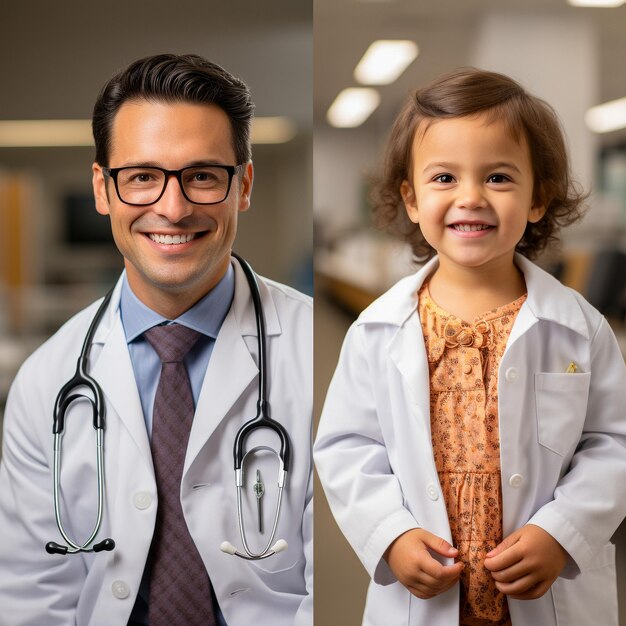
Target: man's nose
173, 205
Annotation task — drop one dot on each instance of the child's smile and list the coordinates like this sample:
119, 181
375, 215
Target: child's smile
471, 229
471, 190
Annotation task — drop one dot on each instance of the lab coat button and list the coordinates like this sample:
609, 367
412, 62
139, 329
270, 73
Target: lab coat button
142, 500
511, 374
120, 589
516, 480
432, 492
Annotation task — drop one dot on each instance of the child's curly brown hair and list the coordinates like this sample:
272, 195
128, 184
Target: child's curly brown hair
466, 92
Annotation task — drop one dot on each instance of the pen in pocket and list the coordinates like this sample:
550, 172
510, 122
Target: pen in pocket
571, 368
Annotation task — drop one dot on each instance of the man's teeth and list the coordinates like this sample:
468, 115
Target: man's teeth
171, 239
470, 227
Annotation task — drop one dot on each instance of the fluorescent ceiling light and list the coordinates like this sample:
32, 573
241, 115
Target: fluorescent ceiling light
272, 130
596, 3
352, 107
607, 117
71, 133
384, 61
45, 133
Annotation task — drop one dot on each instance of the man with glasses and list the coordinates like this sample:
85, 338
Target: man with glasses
172, 171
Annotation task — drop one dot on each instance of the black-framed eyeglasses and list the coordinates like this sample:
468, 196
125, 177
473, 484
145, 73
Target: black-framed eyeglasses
200, 184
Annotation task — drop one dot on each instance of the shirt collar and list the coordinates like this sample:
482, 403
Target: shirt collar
206, 316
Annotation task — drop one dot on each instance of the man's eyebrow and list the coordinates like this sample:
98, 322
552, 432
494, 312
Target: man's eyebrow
196, 163
201, 162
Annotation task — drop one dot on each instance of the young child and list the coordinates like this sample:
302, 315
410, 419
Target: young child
479, 404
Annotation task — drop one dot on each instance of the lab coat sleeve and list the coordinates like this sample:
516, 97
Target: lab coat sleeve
590, 499
353, 464
35, 587
304, 616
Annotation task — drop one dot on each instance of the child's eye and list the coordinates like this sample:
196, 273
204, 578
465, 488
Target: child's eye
498, 179
446, 179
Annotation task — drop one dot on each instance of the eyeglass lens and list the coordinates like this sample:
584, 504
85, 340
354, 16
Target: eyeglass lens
143, 185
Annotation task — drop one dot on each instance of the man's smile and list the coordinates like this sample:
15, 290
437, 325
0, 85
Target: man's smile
172, 239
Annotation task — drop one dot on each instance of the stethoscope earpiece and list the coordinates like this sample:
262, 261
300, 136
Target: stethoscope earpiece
280, 546
228, 547
106, 545
52, 547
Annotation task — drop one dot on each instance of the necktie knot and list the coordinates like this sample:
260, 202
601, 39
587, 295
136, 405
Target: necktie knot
172, 342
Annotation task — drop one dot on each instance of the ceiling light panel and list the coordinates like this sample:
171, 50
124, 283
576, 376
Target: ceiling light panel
596, 3
272, 130
384, 61
72, 133
352, 107
45, 133
607, 117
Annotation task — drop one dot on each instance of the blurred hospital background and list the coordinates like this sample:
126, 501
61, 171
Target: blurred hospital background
56, 252
571, 56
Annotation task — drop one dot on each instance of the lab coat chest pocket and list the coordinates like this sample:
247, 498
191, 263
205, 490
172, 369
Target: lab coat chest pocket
561, 405
280, 572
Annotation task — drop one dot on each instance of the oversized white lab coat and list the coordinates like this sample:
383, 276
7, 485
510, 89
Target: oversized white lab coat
562, 437
100, 589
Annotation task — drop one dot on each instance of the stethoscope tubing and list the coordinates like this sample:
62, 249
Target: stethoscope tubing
262, 420
68, 394
74, 547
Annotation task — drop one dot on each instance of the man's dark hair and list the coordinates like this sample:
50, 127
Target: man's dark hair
175, 78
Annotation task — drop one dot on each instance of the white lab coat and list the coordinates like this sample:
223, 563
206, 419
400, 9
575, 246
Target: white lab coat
562, 436
99, 590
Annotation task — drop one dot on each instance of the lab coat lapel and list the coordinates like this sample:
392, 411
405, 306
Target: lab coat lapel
114, 372
525, 319
232, 368
408, 353
398, 307
547, 300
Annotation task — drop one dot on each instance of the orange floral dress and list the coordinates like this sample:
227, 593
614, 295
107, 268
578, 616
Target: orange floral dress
463, 361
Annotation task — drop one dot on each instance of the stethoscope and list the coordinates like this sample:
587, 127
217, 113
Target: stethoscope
71, 392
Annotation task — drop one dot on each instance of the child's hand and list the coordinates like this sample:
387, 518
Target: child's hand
416, 569
526, 563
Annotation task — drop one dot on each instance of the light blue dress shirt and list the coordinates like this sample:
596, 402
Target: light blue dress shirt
206, 317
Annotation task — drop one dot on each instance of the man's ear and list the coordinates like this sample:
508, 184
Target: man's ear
245, 186
100, 193
410, 202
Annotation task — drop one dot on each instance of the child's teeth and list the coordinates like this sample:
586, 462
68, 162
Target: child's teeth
471, 227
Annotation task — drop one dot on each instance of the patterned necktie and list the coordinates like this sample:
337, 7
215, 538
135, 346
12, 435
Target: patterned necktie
180, 590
